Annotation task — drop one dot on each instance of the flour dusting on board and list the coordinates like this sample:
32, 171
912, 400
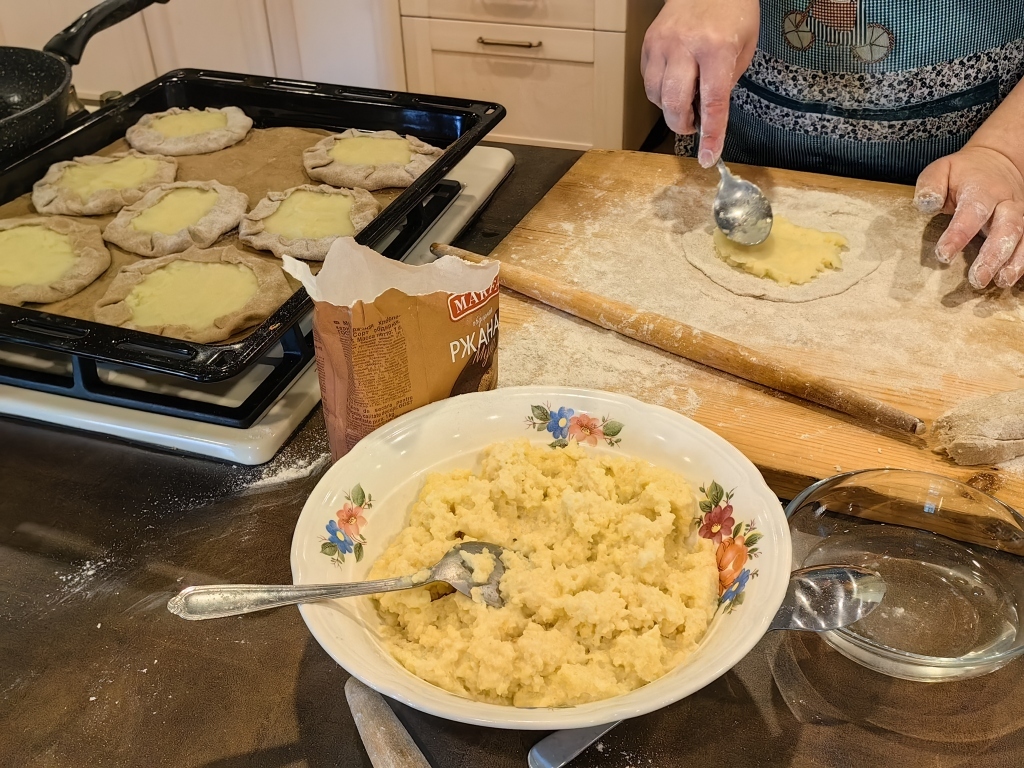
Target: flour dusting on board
553, 350
905, 327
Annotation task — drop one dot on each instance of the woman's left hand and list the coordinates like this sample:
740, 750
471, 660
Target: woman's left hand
984, 191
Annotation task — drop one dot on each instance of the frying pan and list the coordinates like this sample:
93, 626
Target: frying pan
35, 86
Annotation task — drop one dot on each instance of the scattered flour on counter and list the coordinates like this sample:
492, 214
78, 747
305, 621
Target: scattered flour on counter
277, 473
80, 578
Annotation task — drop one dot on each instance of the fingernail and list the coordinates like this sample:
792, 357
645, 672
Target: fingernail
942, 254
706, 158
979, 276
928, 202
1007, 277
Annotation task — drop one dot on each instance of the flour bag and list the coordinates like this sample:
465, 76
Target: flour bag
391, 337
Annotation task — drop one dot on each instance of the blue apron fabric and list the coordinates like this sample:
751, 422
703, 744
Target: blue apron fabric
876, 89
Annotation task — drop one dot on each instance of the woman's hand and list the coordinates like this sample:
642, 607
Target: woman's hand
710, 42
984, 190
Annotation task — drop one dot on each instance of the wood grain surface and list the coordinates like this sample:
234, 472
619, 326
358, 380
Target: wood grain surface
792, 442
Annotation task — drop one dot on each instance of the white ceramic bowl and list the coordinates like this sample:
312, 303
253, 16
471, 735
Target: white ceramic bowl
390, 465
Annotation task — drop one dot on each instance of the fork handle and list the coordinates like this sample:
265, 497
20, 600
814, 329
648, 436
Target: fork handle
214, 601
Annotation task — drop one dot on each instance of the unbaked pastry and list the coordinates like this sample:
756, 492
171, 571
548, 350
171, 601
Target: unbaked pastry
48, 259
189, 131
304, 221
174, 217
792, 255
369, 159
95, 185
198, 295
985, 430
831, 212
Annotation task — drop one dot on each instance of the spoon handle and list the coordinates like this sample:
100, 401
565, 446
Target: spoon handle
214, 601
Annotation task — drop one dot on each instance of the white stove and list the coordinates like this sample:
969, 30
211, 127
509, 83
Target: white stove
480, 173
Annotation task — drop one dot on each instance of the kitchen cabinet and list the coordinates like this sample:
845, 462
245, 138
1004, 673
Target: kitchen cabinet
118, 58
568, 72
231, 35
352, 42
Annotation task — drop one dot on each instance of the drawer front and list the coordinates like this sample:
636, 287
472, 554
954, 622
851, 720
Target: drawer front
571, 14
512, 40
549, 102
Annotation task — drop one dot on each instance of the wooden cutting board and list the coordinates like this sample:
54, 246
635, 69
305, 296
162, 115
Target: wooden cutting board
911, 334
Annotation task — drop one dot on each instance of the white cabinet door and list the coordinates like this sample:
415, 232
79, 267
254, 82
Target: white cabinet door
117, 59
347, 42
230, 35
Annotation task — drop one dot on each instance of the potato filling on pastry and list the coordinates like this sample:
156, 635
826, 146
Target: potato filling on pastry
191, 293
368, 150
123, 173
177, 210
34, 255
306, 215
189, 123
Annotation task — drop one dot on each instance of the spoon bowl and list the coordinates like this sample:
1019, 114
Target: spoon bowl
741, 210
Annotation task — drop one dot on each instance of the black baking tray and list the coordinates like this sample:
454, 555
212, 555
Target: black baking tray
455, 125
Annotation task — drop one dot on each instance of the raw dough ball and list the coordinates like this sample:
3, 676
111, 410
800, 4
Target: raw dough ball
791, 255
986, 430
830, 213
48, 259
94, 185
304, 221
199, 295
177, 216
189, 131
369, 160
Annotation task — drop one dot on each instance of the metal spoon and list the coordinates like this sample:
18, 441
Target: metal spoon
741, 210
819, 598
218, 600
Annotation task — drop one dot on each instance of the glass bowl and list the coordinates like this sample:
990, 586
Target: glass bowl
951, 559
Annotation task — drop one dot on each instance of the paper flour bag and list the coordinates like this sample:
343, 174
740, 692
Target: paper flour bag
391, 337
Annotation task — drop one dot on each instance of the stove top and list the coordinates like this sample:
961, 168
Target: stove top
245, 419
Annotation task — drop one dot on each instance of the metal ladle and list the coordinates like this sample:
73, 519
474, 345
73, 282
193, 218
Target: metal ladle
215, 601
819, 598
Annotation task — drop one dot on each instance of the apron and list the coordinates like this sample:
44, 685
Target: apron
876, 89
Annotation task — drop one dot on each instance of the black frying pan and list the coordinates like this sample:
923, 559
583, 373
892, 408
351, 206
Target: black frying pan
35, 86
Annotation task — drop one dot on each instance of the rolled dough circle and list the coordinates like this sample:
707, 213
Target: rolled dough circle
834, 213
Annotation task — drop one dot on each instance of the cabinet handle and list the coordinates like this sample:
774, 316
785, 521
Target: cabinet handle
511, 43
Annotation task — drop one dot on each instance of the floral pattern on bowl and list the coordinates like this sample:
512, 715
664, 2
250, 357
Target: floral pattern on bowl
736, 542
344, 534
565, 424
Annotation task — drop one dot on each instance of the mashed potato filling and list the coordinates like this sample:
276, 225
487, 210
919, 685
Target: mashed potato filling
607, 585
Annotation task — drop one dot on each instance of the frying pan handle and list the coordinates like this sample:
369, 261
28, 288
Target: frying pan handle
70, 43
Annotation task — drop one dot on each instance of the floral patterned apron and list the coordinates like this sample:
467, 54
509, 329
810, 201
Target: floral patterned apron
876, 89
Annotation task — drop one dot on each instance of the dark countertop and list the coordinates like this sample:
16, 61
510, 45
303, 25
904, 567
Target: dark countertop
96, 535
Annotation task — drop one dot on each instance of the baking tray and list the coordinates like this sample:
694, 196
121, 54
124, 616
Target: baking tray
455, 125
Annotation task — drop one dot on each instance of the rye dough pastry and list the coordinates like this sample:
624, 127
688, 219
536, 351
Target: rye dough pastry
95, 185
189, 131
369, 160
198, 295
303, 221
174, 217
48, 259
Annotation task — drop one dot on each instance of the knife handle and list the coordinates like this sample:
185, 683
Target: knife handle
386, 741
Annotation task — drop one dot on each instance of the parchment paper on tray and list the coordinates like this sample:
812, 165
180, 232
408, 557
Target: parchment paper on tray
391, 337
